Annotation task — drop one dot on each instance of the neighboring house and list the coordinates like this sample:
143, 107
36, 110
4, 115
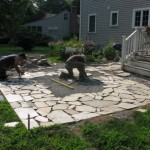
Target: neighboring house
57, 26
106, 21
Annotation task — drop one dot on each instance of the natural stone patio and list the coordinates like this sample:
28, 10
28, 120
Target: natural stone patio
30, 97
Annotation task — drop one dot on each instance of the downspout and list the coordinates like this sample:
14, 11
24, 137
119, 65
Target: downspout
80, 20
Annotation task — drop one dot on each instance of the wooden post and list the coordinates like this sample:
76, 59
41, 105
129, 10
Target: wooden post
28, 122
123, 51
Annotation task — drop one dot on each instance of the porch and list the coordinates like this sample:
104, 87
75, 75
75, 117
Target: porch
136, 52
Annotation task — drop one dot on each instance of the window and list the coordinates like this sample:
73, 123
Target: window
65, 16
35, 28
92, 23
39, 28
114, 18
141, 17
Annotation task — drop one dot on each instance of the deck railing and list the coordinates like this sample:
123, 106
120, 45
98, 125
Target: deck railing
132, 44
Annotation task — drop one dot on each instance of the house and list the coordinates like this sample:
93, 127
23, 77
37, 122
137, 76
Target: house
119, 21
105, 21
58, 26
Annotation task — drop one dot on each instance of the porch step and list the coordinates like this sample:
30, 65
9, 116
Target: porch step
142, 64
143, 58
138, 70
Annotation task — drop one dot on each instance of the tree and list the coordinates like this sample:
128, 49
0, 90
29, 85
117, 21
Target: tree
12, 15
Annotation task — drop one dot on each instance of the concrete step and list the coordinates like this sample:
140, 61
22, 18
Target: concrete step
142, 64
138, 70
143, 58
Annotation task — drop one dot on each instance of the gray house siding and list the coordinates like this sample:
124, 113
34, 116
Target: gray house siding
54, 26
104, 32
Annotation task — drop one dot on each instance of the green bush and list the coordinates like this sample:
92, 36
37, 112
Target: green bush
109, 52
90, 58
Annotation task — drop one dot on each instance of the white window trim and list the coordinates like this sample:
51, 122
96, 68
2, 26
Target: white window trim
133, 17
89, 22
112, 12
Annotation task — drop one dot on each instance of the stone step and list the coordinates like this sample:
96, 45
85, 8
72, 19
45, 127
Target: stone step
138, 70
142, 64
143, 58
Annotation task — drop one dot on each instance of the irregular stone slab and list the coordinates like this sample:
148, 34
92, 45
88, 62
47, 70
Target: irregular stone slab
33, 123
35, 92
126, 96
98, 97
78, 95
141, 96
60, 106
51, 103
110, 86
126, 105
23, 92
128, 101
42, 86
41, 119
100, 104
84, 115
5, 89
112, 109
75, 103
28, 98
11, 124
30, 87
86, 98
112, 98
70, 98
109, 90
123, 74
27, 104
40, 104
15, 105
59, 116
72, 106
70, 111
46, 91
13, 98
44, 111
117, 90
142, 110
91, 94
23, 112
38, 95
85, 108
46, 124
1, 98
43, 99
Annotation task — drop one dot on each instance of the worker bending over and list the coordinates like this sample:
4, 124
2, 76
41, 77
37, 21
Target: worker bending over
9, 62
75, 61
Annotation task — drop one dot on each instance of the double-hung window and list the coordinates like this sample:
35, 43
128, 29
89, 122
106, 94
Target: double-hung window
141, 17
92, 23
114, 18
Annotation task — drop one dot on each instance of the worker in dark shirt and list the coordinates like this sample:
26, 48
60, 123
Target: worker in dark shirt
76, 61
9, 62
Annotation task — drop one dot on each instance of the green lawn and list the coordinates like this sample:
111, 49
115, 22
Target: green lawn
112, 135
7, 50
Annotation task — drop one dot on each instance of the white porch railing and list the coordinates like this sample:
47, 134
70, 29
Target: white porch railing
134, 43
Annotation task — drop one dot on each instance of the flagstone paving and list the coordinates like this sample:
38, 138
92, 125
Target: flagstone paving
30, 98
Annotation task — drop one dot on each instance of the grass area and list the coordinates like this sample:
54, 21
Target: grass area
112, 135
7, 50
57, 137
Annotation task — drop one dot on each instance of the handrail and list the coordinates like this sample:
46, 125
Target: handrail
132, 44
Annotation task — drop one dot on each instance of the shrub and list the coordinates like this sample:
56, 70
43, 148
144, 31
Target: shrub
89, 47
4, 40
90, 58
109, 52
